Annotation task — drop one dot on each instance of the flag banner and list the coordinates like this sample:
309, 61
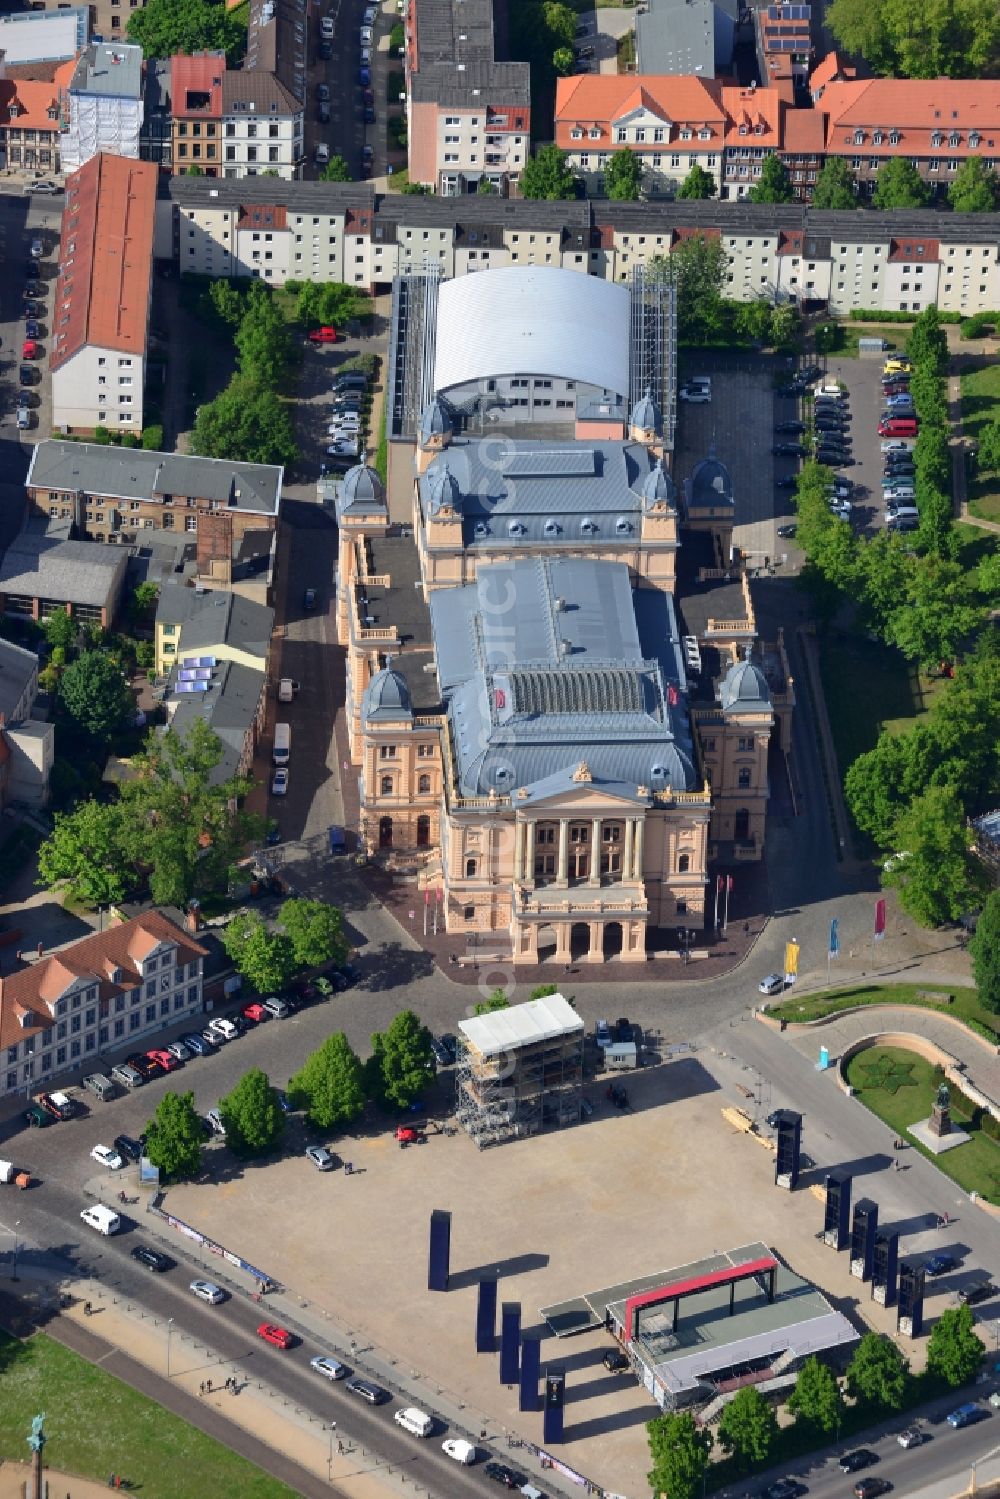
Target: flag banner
879, 920
729, 884
834, 938
791, 959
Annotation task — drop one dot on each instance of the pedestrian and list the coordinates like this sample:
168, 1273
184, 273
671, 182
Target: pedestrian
87, 1308
111, 1481
340, 1449
118, 1480
210, 1387
201, 1388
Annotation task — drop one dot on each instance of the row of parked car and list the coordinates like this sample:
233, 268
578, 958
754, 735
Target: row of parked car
898, 428
31, 350
347, 417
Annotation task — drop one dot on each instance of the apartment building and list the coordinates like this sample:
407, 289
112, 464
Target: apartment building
103, 104
345, 232
195, 112
104, 18
100, 316
277, 43
232, 123
31, 121
784, 44
670, 123
107, 991
468, 111
937, 124
229, 510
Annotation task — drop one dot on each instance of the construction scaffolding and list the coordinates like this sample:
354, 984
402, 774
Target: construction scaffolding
413, 341
653, 343
520, 1071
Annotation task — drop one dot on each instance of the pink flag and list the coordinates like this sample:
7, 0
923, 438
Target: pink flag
879, 919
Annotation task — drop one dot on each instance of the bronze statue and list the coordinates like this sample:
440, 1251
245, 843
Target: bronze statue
37, 1439
943, 1100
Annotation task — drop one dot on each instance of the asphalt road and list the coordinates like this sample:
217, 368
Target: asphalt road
346, 132
22, 216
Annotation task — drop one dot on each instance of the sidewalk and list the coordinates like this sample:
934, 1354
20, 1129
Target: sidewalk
13, 1475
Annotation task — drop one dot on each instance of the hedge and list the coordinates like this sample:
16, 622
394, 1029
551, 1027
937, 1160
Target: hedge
980, 323
867, 315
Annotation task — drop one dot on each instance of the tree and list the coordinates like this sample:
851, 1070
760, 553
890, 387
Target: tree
498, 1000
562, 61
252, 1116
163, 27
336, 170
543, 991
261, 340
927, 343
245, 422
774, 184
330, 1086
679, 1450
547, 175
485, 188
60, 630
266, 959
85, 853
985, 950
403, 1064
397, 38
860, 26
697, 184
938, 880
748, 1428
328, 302
815, 1401
954, 1352
878, 1372
623, 176
315, 931
936, 39
900, 185
227, 302
752, 320
937, 614
143, 600
698, 267
174, 1136
976, 188
182, 823
835, 185
560, 23
989, 446
96, 696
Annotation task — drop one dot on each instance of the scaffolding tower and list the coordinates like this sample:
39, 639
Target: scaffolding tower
653, 343
414, 344
514, 1080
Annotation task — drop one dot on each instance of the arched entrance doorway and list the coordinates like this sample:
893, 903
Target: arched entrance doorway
612, 940
579, 941
385, 832
546, 943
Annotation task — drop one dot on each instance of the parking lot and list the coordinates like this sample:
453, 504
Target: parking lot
863, 378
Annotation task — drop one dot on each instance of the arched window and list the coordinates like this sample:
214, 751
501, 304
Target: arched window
683, 863
423, 831
423, 785
386, 784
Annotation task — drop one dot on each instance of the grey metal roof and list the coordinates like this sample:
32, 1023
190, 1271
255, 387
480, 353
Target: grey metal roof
744, 687
112, 70
43, 36
456, 61
229, 708
17, 667
70, 572
685, 36
710, 483
134, 474
360, 492
541, 667
533, 320
386, 699
529, 493
215, 618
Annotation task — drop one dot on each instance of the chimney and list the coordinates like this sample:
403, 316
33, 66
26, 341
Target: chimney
193, 921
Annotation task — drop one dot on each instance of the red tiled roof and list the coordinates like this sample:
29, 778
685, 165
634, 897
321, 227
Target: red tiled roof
790, 242
102, 295
753, 115
32, 992
805, 131
263, 216
914, 250
599, 100
33, 99
690, 233
830, 70
198, 77
914, 109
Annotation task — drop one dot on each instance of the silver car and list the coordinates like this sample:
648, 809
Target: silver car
320, 1157
207, 1290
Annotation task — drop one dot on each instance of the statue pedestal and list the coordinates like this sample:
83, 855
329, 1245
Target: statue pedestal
928, 1132
940, 1121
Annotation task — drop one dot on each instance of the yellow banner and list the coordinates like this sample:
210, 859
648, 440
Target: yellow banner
791, 958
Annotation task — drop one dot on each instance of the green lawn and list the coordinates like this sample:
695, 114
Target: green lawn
895, 335
900, 1088
96, 1425
965, 1004
869, 687
981, 404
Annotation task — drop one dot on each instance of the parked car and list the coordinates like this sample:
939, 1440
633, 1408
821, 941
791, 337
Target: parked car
367, 36
602, 1034
255, 1012
788, 450
33, 309
23, 416
787, 532
870, 1488
207, 1290
141, 1063
911, 1437
32, 328
105, 1156
197, 1044
326, 28
322, 153
442, 1054
128, 1147
59, 1105
695, 394
785, 1488
215, 1123
364, 77
461, 1450
320, 1157
330, 1368
163, 1059
322, 93
279, 783
507, 1478
615, 1361
367, 1389
940, 1264
325, 49
36, 1117
787, 481
966, 1415
153, 1259
972, 1295
29, 349
324, 335
774, 983
792, 427
34, 288
369, 114
180, 1051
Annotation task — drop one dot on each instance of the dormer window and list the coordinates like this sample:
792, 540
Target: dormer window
859, 137
687, 135
742, 130
576, 135
623, 525
704, 135
878, 137
516, 528
954, 139
588, 526
594, 134
551, 528
894, 137
937, 138
973, 138
758, 130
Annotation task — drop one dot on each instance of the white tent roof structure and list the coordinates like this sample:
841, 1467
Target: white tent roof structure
521, 1025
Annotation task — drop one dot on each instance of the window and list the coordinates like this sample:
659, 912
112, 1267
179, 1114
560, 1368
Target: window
471, 868
192, 994
387, 751
468, 913
386, 785
164, 1008
423, 785
744, 781
744, 745
150, 1014
683, 863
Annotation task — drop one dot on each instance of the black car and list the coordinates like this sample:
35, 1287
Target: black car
788, 450
861, 1457
792, 427
835, 457
152, 1258
442, 1055
126, 1146
615, 1361
973, 1295
508, 1478
29, 374
34, 289
34, 309
787, 531
242, 1024
369, 115
309, 599
808, 372
32, 328
785, 1488
788, 482
870, 1488
145, 1068
367, 1389
326, 50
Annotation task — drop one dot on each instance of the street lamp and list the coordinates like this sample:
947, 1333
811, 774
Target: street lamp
170, 1328
13, 1273
329, 1459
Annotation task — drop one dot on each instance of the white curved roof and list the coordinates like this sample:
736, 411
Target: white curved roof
533, 320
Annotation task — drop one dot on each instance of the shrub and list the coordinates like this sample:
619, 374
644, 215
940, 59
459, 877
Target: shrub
152, 438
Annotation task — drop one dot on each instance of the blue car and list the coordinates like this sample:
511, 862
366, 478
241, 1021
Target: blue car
197, 1044
940, 1264
365, 77
966, 1415
32, 329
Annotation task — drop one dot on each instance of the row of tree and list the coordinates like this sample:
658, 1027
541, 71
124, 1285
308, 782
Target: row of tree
249, 421
173, 827
934, 39
307, 934
164, 27
699, 268
332, 1087
878, 1381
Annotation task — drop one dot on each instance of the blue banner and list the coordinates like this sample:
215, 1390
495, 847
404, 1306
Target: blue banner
835, 938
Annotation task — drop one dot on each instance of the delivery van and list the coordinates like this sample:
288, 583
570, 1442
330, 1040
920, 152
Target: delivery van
105, 1220
897, 426
282, 743
415, 1422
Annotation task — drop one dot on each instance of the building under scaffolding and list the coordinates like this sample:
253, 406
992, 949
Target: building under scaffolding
653, 340
520, 1070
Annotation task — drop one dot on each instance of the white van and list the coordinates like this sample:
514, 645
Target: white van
415, 1422
282, 743
902, 512
105, 1220
287, 688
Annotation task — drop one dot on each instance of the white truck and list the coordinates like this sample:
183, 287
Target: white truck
282, 743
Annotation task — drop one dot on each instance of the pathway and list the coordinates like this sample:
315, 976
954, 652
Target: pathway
962, 352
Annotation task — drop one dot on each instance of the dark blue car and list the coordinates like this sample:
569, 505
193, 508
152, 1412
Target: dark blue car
364, 77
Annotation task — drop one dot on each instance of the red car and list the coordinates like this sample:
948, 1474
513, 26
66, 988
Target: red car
279, 1336
29, 349
255, 1011
406, 1135
323, 336
163, 1059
